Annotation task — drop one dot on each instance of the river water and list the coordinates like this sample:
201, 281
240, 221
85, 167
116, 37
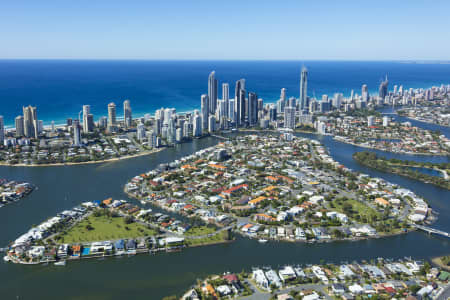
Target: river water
152, 277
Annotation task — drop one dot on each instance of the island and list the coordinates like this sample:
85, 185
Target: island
428, 172
437, 112
374, 131
12, 191
282, 187
109, 228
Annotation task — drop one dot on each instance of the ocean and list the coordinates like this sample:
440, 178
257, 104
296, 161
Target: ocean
59, 88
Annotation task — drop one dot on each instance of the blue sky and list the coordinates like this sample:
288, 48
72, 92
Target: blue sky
246, 29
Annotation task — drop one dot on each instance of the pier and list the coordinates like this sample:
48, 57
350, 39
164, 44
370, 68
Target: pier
430, 230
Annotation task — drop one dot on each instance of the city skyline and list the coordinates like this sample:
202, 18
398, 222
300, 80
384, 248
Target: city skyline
335, 31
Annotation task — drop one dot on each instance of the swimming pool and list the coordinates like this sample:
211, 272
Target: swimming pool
86, 251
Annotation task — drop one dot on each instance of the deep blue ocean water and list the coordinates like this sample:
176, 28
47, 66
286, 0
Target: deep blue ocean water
59, 88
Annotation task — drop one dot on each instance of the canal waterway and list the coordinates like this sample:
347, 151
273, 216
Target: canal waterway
152, 277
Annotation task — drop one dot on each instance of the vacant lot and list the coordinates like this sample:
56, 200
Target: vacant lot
104, 228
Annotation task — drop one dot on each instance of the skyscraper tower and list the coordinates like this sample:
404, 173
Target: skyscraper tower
226, 96
252, 108
19, 126
240, 85
204, 112
111, 116
127, 118
76, 133
212, 92
383, 89
303, 89
86, 112
283, 94
30, 121
364, 93
243, 109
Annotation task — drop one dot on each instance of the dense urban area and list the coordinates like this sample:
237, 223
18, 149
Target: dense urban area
262, 181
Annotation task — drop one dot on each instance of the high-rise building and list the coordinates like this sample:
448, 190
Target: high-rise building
370, 121
197, 125
204, 111
283, 94
103, 122
111, 116
280, 105
171, 131
365, 93
90, 122
231, 110
212, 92
291, 102
303, 89
30, 121
76, 133
86, 112
289, 117
337, 100
157, 127
240, 85
226, 97
385, 121
252, 116
179, 135
222, 110
212, 123
272, 113
2, 130
127, 118
19, 126
243, 108
383, 89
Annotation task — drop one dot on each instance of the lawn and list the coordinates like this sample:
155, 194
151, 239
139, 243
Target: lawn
201, 230
104, 228
357, 208
217, 238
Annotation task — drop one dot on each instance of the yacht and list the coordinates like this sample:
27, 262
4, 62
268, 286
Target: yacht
60, 263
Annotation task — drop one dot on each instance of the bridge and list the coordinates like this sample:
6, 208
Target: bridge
430, 230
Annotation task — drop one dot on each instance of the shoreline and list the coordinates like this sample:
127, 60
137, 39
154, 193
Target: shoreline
438, 262
397, 170
422, 121
243, 235
401, 153
115, 159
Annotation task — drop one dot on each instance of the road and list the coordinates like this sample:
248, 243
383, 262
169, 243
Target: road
445, 294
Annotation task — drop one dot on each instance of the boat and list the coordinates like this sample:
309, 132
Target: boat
262, 241
6, 258
60, 263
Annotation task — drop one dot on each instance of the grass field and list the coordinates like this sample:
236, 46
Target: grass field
202, 230
217, 238
357, 208
104, 228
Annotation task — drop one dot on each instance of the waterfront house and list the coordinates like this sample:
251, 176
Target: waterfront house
287, 274
76, 250
260, 278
